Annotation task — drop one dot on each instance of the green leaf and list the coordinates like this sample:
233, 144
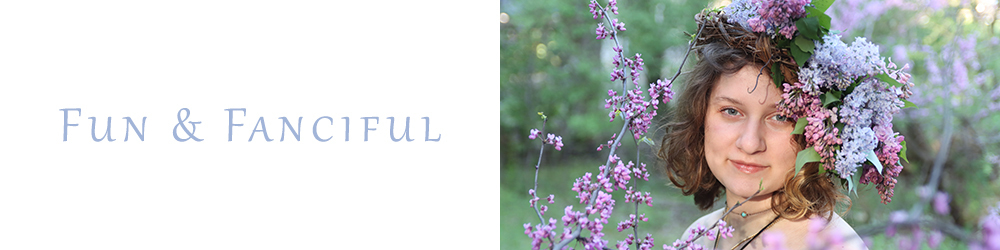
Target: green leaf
886, 78
805, 156
902, 152
822, 5
808, 27
805, 45
782, 42
829, 98
800, 126
853, 184
850, 187
799, 55
777, 76
870, 155
824, 19
542, 114
822, 170
908, 104
648, 141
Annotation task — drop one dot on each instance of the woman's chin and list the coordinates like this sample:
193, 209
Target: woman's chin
747, 190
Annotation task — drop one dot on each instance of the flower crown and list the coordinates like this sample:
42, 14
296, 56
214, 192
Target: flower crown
842, 96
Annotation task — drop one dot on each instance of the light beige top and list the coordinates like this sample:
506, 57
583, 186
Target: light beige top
794, 233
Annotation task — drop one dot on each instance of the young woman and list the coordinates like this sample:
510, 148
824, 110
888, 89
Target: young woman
734, 136
733, 141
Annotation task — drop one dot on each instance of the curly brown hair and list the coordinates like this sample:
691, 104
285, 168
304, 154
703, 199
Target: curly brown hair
724, 48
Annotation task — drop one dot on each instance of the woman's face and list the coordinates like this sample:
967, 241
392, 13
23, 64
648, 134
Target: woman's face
745, 138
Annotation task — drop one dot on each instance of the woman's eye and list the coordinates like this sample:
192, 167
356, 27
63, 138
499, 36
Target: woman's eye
730, 111
781, 118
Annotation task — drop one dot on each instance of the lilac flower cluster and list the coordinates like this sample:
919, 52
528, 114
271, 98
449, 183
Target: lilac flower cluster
773, 17
741, 11
834, 64
867, 115
820, 131
865, 111
778, 16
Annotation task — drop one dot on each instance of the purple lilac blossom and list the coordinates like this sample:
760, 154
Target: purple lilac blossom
858, 140
740, 11
835, 64
778, 17
819, 132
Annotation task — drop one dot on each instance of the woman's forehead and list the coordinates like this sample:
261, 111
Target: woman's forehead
746, 87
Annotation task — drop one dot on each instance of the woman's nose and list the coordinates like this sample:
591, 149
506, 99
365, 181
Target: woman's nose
751, 141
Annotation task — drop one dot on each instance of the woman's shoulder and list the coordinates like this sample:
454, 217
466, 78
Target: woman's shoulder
830, 231
707, 220
837, 229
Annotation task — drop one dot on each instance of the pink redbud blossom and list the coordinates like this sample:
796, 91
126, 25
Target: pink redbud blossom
618, 25
601, 31
934, 239
991, 231
773, 240
895, 217
941, 203
594, 10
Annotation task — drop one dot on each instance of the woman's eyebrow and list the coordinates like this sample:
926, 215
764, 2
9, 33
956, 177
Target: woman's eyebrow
719, 99
727, 99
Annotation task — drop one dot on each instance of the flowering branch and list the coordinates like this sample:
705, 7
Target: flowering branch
543, 230
541, 151
635, 226
698, 232
593, 197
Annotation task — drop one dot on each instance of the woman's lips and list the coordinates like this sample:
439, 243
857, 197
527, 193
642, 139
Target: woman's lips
748, 168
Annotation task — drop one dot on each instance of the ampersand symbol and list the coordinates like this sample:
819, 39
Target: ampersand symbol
180, 123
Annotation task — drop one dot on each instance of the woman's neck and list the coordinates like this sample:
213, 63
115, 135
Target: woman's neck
758, 217
757, 210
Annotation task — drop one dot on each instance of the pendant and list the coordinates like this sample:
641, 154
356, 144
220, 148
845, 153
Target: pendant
743, 214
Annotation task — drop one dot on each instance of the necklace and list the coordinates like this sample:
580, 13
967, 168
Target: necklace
744, 214
748, 239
